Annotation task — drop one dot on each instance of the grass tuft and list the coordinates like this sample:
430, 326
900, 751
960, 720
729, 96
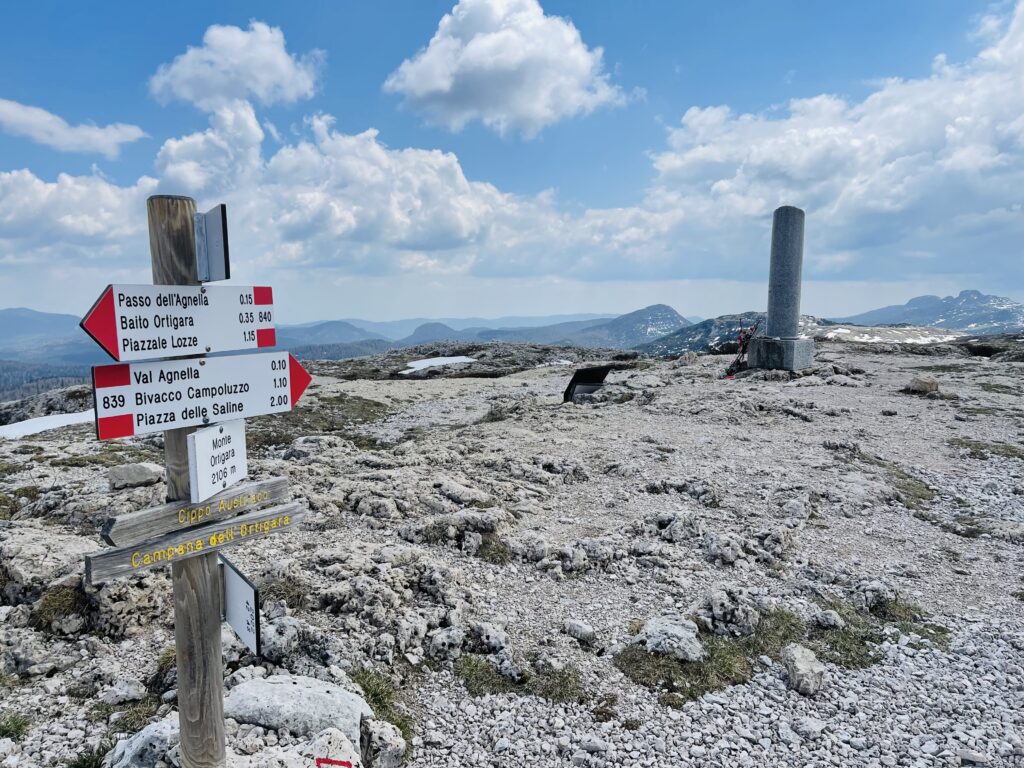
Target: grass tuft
604, 710
982, 450
56, 603
728, 660
14, 726
384, 700
136, 714
293, 591
481, 678
494, 550
91, 758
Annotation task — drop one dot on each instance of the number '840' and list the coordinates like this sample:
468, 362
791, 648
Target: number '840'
113, 401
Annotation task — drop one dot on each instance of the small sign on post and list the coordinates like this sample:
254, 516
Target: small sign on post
212, 262
216, 459
241, 605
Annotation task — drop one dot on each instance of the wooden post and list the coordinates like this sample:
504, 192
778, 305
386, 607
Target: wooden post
196, 580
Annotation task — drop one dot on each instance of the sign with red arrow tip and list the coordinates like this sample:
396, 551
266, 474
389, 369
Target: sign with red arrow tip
135, 398
141, 322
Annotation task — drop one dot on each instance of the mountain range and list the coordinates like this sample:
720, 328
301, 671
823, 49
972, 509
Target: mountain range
42, 338
969, 311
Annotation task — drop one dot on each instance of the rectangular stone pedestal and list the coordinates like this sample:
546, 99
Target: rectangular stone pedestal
780, 354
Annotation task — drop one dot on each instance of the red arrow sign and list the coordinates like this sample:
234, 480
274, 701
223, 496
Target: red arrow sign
143, 322
135, 398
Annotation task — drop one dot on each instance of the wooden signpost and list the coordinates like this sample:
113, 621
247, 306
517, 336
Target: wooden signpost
178, 317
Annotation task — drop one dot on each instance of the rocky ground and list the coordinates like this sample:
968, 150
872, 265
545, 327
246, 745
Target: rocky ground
678, 570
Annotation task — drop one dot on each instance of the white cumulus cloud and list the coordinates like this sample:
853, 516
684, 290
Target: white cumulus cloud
507, 64
46, 128
235, 63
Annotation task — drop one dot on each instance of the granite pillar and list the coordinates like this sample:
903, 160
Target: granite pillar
781, 347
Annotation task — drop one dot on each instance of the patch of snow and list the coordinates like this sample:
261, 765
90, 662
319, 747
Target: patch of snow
430, 362
43, 423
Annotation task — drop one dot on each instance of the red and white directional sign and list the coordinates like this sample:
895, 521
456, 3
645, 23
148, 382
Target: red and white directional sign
135, 398
144, 322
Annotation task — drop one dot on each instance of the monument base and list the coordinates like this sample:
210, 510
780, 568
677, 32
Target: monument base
780, 354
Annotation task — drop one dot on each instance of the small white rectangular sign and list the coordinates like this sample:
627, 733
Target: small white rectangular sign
216, 459
241, 605
145, 322
135, 398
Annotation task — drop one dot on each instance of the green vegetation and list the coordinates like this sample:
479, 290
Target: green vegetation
730, 661
982, 450
494, 550
109, 456
135, 715
57, 603
92, 758
384, 700
951, 553
7, 468
604, 710
631, 724
339, 415
166, 661
912, 493
962, 525
1001, 389
9, 505
13, 725
481, 677
294, 591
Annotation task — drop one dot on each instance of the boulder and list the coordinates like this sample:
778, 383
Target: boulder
806, 673
922, 385
123, 690
303, 705
672, 635
147, 747
492, 638
134, 475
580, 630
382, 745
447, 643
727, 611
335, 745
829, 620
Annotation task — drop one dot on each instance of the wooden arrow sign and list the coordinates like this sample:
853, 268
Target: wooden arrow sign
182, 515
174, 547
144, 322
135, 398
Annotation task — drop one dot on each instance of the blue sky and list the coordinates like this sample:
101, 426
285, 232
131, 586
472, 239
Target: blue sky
527, 158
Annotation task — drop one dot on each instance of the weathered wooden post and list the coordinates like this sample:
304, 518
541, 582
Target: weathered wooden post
781, 347
160, 335
196, 580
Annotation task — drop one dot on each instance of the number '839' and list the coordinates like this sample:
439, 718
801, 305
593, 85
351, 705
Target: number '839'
113, 401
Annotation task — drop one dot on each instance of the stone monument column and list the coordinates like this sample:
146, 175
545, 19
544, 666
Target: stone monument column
781, 347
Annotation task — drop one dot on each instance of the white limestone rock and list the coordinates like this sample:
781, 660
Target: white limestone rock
303, 705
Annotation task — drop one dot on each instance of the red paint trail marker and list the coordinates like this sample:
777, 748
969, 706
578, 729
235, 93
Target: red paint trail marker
136, 398
143, 322
322, 761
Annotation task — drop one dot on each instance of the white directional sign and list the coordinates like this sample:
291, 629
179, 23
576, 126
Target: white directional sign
241, 605
143, 322
135, 398
216, 459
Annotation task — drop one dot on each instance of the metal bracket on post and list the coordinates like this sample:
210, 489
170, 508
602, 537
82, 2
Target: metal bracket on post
212, 261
